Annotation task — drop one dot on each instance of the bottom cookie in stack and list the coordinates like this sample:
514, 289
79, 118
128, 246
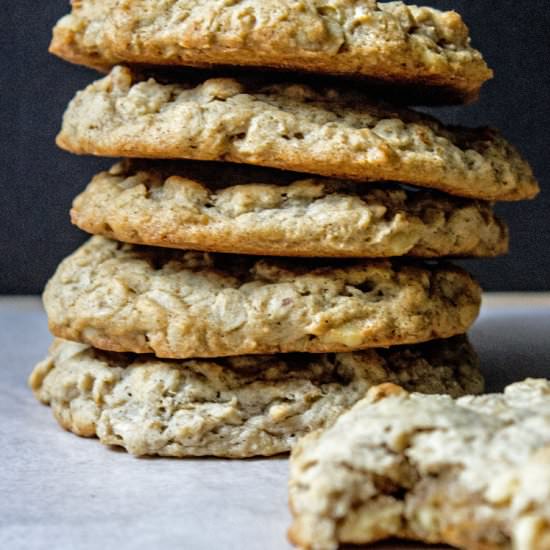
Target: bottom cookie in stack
233, 407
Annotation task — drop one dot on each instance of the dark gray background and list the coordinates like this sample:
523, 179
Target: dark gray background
38, 182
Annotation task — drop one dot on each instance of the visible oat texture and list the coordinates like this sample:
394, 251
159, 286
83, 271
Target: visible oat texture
189, 304
473, 473
231, 208
292, 127
235, 407
389, 42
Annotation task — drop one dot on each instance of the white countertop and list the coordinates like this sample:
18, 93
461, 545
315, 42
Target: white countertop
58, 491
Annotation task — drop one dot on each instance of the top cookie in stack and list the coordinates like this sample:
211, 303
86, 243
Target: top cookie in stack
129, 295
423, 49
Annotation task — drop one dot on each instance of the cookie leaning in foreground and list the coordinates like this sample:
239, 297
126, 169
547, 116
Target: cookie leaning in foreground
333, 133
237, 407
473, 473
179, 304
244, 210
389, 42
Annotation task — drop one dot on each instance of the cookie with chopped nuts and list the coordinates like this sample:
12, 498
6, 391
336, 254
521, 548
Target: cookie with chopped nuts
235, 407
423, 48
327, 132
473, 472
179, 304
243, 210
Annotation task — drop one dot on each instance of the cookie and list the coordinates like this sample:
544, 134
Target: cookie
230, 208
293, 127
180, 304
386, 42
235, 407
473, 473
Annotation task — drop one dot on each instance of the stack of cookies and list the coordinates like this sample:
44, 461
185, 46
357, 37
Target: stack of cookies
228, 309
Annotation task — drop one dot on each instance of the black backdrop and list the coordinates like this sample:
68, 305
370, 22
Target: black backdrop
38, 181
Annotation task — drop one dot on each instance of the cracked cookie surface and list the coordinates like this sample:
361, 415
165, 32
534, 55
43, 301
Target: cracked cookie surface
234, 407
294, 127
244, 210
473, 472
178, 304
388, 42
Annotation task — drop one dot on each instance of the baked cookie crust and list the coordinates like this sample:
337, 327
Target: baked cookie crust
386, 42
179, 304
235, 407
244, 210
294, 127
473, 473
